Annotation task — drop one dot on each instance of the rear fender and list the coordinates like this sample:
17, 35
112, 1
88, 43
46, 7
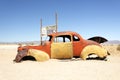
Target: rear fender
93, 49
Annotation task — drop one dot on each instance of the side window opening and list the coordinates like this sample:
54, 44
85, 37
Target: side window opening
75, 38
63, 38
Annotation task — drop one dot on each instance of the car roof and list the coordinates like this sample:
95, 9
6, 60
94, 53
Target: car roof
63, 33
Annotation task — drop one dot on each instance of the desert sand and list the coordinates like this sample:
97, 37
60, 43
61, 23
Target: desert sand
54, 69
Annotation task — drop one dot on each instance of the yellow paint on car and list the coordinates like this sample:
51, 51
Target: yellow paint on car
38, 55
61, 50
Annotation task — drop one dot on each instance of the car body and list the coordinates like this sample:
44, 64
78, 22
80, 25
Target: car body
64, 45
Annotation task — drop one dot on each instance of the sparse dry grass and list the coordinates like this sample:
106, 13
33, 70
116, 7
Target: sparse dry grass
118, 48
113, 49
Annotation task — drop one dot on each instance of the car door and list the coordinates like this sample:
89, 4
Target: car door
61, 47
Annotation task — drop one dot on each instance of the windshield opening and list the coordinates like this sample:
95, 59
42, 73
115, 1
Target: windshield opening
48, 38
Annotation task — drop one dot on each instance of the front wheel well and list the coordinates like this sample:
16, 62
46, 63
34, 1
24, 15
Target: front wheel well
28, 58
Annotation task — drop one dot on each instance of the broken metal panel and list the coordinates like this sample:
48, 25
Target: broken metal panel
98, 39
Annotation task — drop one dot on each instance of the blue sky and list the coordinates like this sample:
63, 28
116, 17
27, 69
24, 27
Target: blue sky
20, 19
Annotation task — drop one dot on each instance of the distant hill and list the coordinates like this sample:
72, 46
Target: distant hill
112, 42
24, 42
38, 42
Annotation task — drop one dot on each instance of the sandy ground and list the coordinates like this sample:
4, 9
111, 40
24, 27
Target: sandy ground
74, 69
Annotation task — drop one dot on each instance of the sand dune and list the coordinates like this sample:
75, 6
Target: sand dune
70, 69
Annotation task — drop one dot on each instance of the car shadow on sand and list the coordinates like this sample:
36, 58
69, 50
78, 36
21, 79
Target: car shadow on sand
79, 59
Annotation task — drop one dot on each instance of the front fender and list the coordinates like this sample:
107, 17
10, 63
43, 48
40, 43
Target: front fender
38, 55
